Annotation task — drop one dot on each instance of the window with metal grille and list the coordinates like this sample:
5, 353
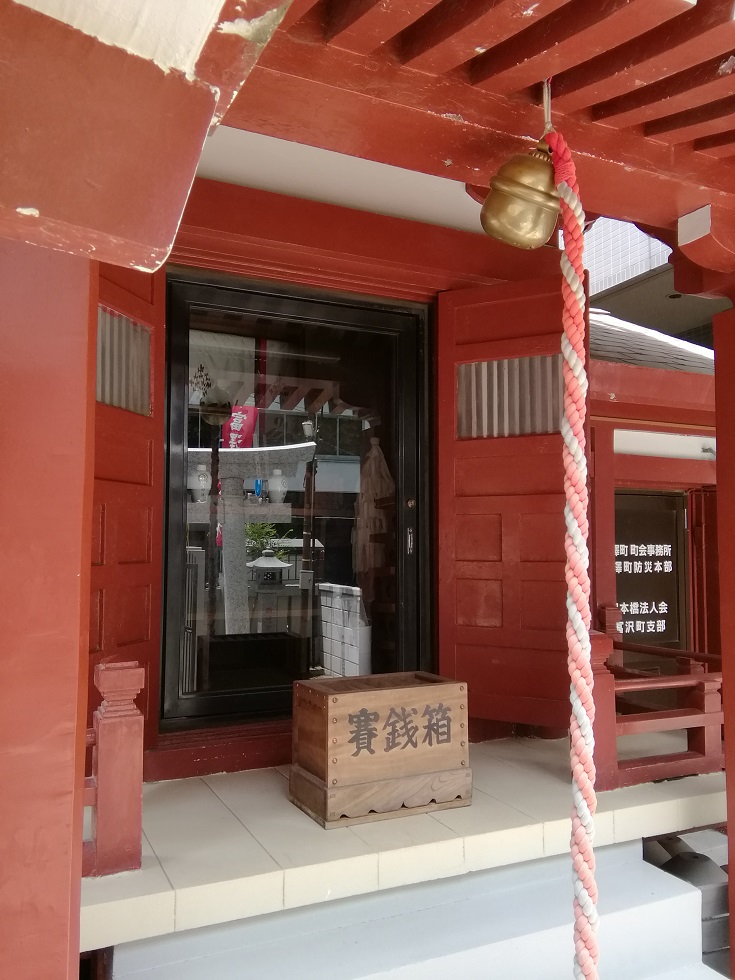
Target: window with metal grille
123, 362
514, 397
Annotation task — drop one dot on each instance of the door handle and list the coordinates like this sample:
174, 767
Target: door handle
409, 540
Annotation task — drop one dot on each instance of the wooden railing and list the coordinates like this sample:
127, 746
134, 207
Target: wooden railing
115, 788
698, 711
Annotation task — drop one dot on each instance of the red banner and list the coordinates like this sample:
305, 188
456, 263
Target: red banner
237, 432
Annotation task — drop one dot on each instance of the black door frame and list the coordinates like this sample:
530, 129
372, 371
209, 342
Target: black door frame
409, 323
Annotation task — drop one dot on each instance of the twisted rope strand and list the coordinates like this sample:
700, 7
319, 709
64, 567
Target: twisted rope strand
582, 742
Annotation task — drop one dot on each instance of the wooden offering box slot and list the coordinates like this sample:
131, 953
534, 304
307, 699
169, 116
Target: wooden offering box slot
367, 748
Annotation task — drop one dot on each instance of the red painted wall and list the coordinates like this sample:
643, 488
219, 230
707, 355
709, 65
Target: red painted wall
501, 590
47, 319
127, 521
264, 236
260, 235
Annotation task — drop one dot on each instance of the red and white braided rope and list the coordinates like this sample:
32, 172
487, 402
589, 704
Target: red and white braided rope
577, 564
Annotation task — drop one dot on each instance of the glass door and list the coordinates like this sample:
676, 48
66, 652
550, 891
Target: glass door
295, 433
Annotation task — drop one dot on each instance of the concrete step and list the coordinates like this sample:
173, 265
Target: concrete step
513, 921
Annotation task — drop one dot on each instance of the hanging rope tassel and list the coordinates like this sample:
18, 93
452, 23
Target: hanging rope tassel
582, 740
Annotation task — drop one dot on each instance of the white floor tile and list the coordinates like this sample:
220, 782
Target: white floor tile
310, 884
405, 832
231, 846
132, 905
640, 811
533, 791
260, 800
422, 862
226, 901
196, 837
495, 833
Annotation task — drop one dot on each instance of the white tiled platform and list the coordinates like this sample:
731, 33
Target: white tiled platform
229, 846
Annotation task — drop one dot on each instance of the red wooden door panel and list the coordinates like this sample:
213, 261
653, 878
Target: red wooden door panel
128, 505
502, 611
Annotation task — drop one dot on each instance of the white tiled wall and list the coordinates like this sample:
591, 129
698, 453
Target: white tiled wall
615, 251
344, 631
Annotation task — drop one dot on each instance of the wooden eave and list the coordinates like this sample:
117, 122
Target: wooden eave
644, 91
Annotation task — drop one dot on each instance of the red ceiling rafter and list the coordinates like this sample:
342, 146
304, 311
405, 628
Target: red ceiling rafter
706, 31
641, 90
703, 120
371, 107
572, 35
453, 33
711, 80
720, 145
297, 10
363, 25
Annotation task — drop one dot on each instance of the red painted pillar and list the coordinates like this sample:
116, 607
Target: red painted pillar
725, 414
602, 525
118, 768
47, 336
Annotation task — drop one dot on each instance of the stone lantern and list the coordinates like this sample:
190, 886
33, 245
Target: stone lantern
271, 605
268, 569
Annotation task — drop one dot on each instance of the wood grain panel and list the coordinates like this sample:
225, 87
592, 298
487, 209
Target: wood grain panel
542, 537
98, 533
480, 603
502, 612
134, 615
543, 605
128, 506
478, 537
521, 474
134, 535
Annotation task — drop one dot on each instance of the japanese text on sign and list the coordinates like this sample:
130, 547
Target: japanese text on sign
401, 729
644, 616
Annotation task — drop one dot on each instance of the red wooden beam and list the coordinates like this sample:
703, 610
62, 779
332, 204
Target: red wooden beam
363, 25
234, 46
664, 721
704, 32
318, 397
695, 86
648, 395
373, 108
718, 145
707, 237
651, 682
668, 652
702, 120
101, 144
239, 229
662, 471
633, 772
693, 279
299, 9
724, 337
453, 33
566, 38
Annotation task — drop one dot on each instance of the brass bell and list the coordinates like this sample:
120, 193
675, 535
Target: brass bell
522, 206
